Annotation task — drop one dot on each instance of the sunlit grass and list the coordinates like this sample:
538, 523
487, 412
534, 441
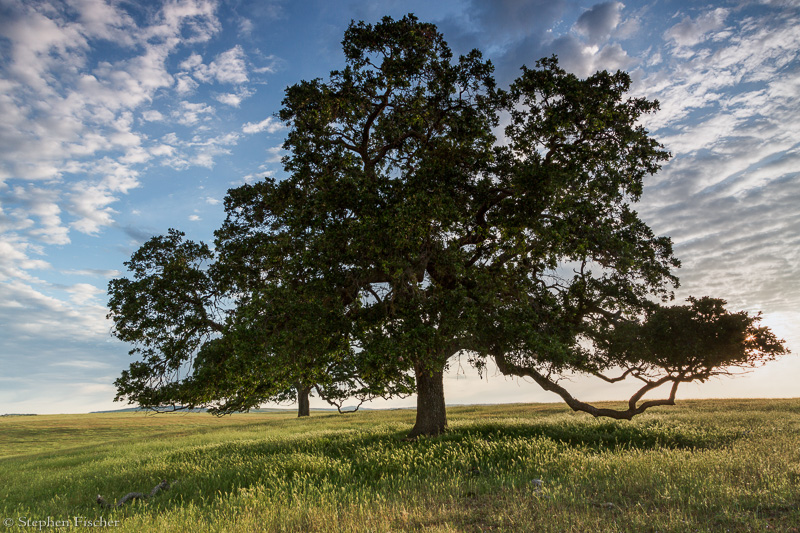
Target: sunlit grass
729, 465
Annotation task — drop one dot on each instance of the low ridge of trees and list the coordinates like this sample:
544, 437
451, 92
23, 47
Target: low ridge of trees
407, 233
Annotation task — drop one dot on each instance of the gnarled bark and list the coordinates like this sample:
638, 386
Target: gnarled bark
431, 414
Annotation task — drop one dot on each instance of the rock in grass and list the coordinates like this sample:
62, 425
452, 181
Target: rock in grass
538, 488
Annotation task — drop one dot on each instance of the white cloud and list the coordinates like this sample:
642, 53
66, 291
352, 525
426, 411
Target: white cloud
269, 124
231, 99
690, 31
227, 67
151, 115
162, 150
583, 59
197, 151
193, 61
588, 46
597, 23
40, 43
185, 84
101, 20
196, 17
275, 154
135, 155
84, 293
91, 204
272, 66
84, 364
190, 113
249, 178
47, 317
234, 99
225, 139
43, 204
246, 26
712, 80
15, 259
92, 272
117, 177
194, 218
702, 134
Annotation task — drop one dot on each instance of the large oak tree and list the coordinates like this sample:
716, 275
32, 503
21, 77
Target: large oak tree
407, 232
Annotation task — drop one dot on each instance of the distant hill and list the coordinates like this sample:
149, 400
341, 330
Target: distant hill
135, 409
203, 410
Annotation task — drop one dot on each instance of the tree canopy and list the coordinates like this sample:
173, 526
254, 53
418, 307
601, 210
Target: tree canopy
412, 228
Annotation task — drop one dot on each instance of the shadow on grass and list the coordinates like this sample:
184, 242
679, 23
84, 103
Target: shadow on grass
352, 461
605, 435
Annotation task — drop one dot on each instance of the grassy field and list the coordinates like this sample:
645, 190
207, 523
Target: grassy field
721, 465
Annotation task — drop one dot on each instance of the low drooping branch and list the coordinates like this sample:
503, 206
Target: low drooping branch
337, 403
510, 369
164, 485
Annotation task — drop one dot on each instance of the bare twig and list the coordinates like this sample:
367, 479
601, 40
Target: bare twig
164, 485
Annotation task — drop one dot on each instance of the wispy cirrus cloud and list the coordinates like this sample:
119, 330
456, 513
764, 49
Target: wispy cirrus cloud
728, 90
691, 31
92, 272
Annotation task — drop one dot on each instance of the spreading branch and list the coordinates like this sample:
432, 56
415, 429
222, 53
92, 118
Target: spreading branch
634, 407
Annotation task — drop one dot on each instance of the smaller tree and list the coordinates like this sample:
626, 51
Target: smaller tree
668, 345
168, 311
208, 337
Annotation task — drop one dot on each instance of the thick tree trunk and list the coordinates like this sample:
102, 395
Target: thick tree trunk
431, 415
303, 406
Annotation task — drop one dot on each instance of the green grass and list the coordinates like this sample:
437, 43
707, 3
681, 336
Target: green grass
712, 465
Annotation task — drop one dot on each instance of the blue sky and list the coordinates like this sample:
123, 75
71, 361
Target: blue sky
122, 119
